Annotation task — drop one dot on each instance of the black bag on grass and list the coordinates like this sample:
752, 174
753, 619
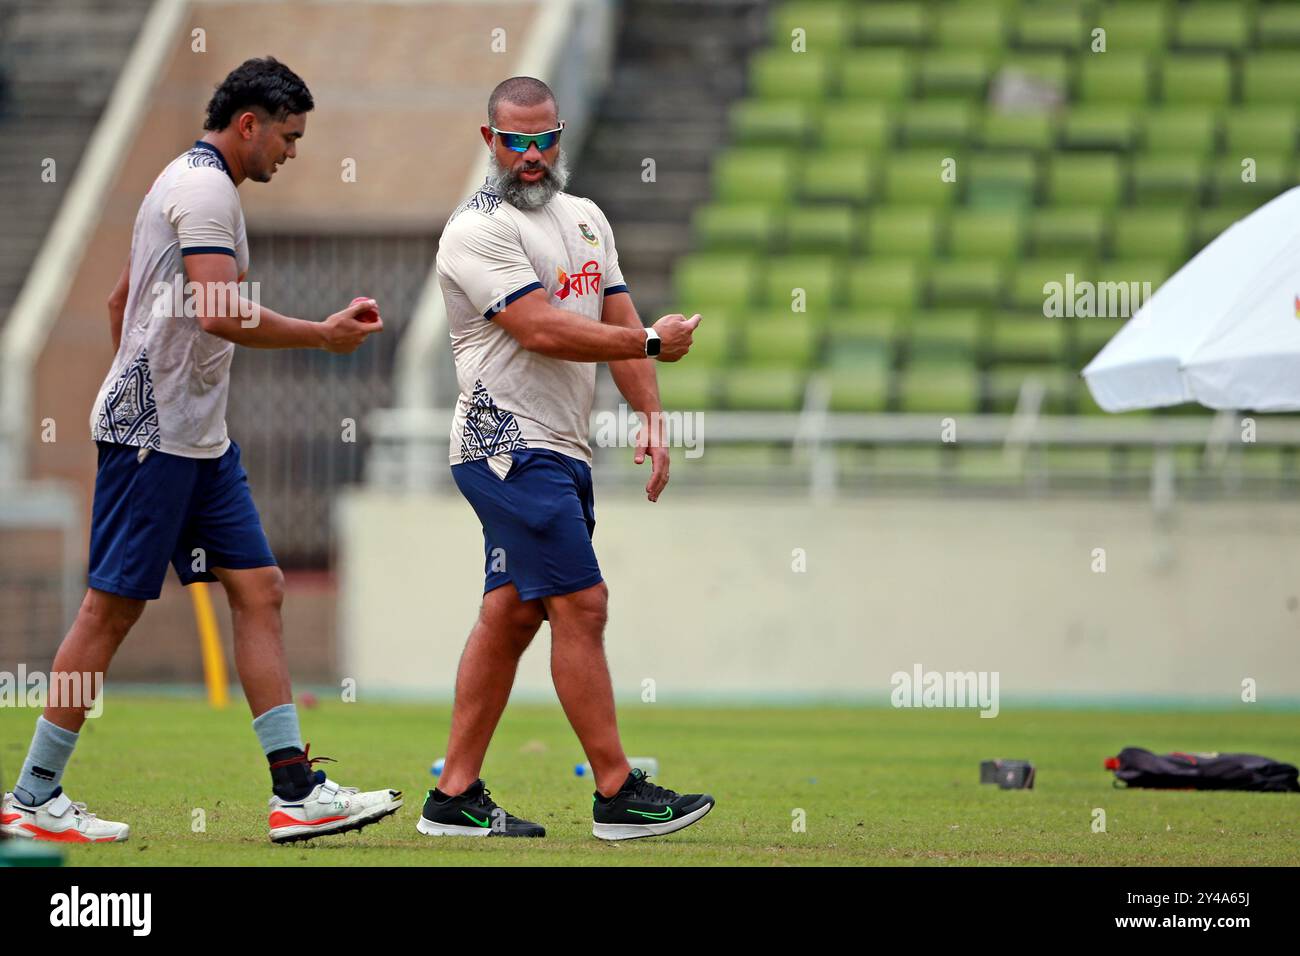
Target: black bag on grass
1136, 767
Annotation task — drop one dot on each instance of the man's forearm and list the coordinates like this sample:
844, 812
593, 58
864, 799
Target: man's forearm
256, 326
565, 336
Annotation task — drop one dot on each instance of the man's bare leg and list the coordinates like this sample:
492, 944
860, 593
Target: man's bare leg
102, 623
256, 596
505, 628
581, 676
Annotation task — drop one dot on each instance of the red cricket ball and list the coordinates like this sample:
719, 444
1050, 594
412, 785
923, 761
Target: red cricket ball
369, 315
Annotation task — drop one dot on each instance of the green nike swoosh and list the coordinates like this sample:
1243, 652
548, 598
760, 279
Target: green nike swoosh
667, 814
485, 822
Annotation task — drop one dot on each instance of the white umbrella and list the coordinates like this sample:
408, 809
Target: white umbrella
1223, 331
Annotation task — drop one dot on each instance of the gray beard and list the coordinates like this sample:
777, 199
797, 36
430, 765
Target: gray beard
524, 195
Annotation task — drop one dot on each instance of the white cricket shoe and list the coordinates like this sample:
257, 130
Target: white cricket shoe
328, 809
58, 820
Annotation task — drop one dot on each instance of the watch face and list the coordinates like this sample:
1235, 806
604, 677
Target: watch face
652, 345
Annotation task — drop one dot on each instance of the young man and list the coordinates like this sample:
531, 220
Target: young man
534, 299
170, 487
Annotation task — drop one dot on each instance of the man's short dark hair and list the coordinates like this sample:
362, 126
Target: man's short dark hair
262, 83
520, 90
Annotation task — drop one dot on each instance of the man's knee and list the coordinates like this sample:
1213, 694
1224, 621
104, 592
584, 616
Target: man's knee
110, 615
255, 590
518, 620
587, 610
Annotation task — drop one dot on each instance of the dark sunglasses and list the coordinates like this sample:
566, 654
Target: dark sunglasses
519, 142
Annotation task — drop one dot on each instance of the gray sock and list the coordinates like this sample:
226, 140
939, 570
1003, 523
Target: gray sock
278, 728
49, 754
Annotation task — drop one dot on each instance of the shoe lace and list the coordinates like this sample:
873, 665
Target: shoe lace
311, 762
80, 810
654, 793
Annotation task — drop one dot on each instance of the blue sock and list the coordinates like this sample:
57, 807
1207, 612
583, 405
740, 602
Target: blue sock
47, 758
278, 728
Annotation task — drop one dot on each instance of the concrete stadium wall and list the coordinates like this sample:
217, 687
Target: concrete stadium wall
705, 601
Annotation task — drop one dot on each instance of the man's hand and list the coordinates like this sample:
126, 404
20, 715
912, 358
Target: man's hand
343, 333
675, 333
650, 438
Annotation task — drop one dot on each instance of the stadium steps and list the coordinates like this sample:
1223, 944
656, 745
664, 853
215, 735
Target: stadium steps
58, 64
661, 105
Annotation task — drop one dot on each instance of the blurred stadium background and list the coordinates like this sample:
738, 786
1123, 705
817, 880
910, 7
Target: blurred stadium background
742, 149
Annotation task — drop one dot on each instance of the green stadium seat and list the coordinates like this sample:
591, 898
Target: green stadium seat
955, 333
1090, 335
1213, 26
788, 342
872, 330
711, 278
754, 174
985, 233
1084, 180
967, 282
781, 74
1270, 78
1044, 26
1032, 276
885, 75
902, 232
973, 25
884, 284
854, 124
954, 73
1113, 300
1001, 181
1019, 131
1115, 77
826, 26
687, 387
763, 389
735, 226
914, 178
1279, 25
837, 175
1168, 180
939, 123
1185, 131
818, 276
821, 229
1028, 337
1211, 222
1135, 26
1074, 231
768, 122
1100, 127
1165, 233
1051, 69
715, 345
941, 388
1272, 174
1197, 79
861, 388
893, 24
1003, 385
1254, 131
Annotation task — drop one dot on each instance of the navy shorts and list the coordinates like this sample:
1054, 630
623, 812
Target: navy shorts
194, 513
537, 522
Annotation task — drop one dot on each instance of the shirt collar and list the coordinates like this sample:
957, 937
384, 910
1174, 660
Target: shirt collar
202, 144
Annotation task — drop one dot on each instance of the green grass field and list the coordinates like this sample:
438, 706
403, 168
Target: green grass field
878, 786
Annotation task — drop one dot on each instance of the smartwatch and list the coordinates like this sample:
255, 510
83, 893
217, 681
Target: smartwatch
652, 343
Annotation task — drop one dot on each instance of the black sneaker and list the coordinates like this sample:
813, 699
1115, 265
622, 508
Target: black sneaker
641, 809
473, 814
